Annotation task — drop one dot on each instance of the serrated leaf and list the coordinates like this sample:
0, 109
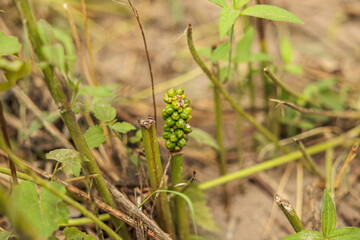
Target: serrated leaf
305, 235
94, 136
122, 127
227, 19
220, 3
202, 212
328, 217
271, 12
104, 111
243, 47
240, 3
70, 160
4, 235
203, 137
346, 233
41, 211
220, 52
286, 50
9, 44
72, 233
95, 91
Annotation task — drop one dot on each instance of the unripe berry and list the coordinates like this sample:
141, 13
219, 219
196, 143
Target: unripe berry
171, 92
175, 116
180, 123
170, 122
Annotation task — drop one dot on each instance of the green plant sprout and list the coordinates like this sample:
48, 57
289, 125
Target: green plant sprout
328, 224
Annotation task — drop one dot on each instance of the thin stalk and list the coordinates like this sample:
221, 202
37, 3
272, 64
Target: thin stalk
340, 140
289, 213
85, 221
7, 141
180, 212
329, 156
39, 181
309, 159
67, 114
349, 158
299, 188
155, 173
230, 53
227, 96
239, 130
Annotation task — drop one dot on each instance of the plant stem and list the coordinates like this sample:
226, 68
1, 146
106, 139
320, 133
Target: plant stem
289, 213
227, 96
309, 159
34, 178
155, 173
329, 156
3, 130
67, 114
349, 158
181, 216
340, 140
85, 220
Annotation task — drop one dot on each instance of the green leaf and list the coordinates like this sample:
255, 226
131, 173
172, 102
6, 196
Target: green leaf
4, 235
305, 235
243, 47
122, 127
9, 45
95, 91
94, 136
220, 52
72, 233
272, 13
328, 217
205, 52
70, 160
202, 212
220, 3
240, 3
346, 233
55, 55
41, 211
286, 50
294, 69
14, 70
260, 57
203, 137
104, 111
45, 32
227, 19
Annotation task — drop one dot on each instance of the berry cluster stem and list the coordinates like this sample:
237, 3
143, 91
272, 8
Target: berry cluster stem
180, 213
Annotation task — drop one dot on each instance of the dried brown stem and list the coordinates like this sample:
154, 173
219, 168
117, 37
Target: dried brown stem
349, 158
342, 115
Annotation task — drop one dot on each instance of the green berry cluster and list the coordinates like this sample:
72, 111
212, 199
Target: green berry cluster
176, 114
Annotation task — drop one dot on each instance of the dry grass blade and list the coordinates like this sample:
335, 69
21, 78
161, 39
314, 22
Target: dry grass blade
349, 158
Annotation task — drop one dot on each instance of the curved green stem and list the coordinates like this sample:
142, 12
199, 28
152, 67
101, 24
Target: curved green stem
227, 96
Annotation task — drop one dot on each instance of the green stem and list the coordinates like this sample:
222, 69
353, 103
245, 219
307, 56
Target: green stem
329, 156
342, 139
230, 54
181, 216
67, 114
309, 159
290, 214
85, 220
155, 173
43, 183
227, 96
55, 171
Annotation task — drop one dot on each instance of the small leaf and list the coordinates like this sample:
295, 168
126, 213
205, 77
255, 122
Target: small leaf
72, 233
346, 233
122, 127
220, 52
243, 47
272, 13
94, 136
305, 235
286, 50
260, 57
55, 55
45, 32
220, 3
41, 211
227, 19
203, 137
95, 91
328, 217
9, 45
14, 70
202, 211
205, 52
69, 159
294, 69
104, 111
240, 3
